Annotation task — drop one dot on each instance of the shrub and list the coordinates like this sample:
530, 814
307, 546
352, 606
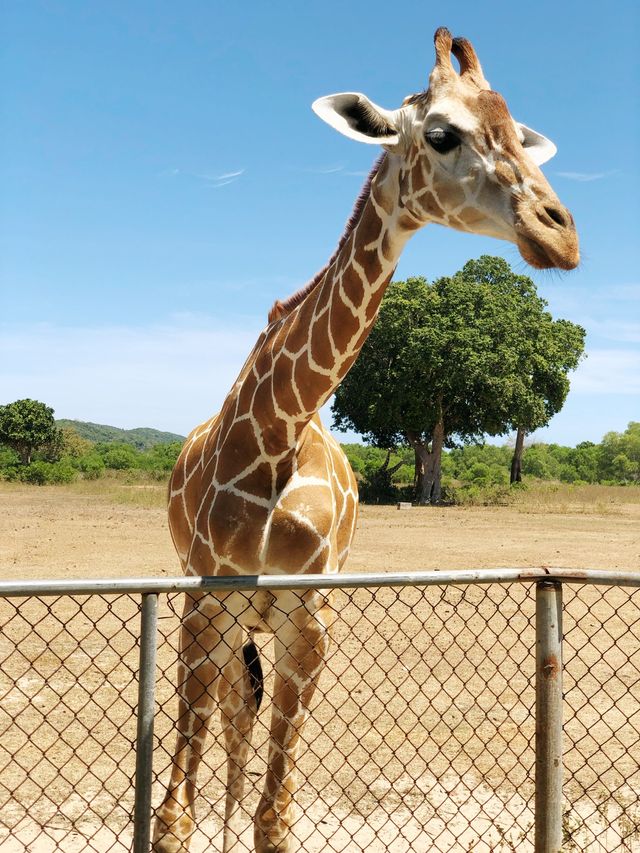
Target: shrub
161, 458
9, 464
92, 466
41, 473
120, 457
472, 494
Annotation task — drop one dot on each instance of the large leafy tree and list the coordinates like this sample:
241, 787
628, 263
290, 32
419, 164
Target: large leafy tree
620, 455
450, 361
553, 348
26, 426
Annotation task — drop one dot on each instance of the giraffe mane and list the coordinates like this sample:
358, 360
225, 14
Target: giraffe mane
281, 308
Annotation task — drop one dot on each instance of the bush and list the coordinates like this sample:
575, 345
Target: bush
377, 488
161, 458
474, 495
9, 464
119, 457
44, 473
92, 466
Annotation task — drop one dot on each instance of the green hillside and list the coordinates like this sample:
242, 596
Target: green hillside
141, 438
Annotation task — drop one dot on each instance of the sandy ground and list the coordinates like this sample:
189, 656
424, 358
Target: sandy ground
422, 735
44, 536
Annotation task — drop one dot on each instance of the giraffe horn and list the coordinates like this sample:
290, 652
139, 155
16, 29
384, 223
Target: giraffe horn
469, 63
443, 41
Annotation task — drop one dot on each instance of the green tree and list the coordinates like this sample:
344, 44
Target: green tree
447, 362
26, 426
585, 459
119, 457
620, 455
551, 349
161, 457
73, 444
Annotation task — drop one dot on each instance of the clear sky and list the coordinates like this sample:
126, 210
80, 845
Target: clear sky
164, 180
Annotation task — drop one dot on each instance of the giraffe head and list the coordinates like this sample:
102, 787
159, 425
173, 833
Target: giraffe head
462, 160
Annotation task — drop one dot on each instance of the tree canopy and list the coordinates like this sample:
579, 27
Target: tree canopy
472, 354
28, 425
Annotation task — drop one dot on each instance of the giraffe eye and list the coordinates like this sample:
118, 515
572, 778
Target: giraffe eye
442, 140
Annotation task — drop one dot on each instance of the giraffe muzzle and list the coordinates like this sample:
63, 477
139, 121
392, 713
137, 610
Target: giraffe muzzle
546, 235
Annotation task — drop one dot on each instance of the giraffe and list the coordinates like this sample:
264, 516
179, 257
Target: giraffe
263, 487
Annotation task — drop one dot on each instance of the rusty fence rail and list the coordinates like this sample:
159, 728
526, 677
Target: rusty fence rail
484, 710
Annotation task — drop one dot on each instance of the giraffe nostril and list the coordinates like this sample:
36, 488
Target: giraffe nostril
557, 216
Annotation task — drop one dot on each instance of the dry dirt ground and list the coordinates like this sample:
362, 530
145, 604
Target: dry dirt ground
53, 532
422, 734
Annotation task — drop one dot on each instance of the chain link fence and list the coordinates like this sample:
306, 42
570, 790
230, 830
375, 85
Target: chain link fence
421, 738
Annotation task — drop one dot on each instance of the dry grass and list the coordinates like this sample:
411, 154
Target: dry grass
125, 490
545, 497
536, 497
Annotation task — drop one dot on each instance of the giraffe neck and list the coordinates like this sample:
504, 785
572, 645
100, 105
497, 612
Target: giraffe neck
307, 353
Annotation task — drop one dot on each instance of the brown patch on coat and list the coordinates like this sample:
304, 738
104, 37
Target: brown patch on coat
259, 482
321, 384
319, 342
235, 527
430, 204
283, 385
290, 540
353, 287
451, 196
343, 325
239, 449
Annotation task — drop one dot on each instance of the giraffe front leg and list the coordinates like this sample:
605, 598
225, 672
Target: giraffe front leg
301, 647
240, 692
206, 643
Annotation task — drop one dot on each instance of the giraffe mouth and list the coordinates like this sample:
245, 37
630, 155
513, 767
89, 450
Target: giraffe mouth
545, 257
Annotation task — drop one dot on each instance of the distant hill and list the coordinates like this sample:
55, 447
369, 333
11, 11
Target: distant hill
141, 437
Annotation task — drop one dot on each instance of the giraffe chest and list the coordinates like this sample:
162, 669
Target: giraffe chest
238, 535
247, 526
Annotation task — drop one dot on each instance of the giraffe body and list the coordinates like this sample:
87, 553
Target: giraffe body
263, 488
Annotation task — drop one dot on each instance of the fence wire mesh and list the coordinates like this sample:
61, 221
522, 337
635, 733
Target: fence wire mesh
421, 735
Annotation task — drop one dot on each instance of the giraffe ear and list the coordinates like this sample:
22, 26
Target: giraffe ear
537, 146
357, 117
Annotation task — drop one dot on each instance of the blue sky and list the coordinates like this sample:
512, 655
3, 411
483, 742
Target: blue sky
164, 180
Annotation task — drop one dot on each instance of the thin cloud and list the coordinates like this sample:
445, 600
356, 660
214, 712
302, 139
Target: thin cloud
331, 169
334, 170
226, 175
212, 181
584, 177
215, 181
214, 186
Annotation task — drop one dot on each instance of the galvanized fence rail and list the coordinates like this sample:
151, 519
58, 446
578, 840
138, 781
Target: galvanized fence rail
422, 737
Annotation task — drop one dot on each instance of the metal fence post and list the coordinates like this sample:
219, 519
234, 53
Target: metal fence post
548, 806
146, 710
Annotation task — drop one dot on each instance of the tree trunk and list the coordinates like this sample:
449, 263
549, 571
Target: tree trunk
428, 465
418, 476
516, 462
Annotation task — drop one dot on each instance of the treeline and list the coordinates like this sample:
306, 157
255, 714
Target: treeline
472, 473
77, 458
36, 449
481, 472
